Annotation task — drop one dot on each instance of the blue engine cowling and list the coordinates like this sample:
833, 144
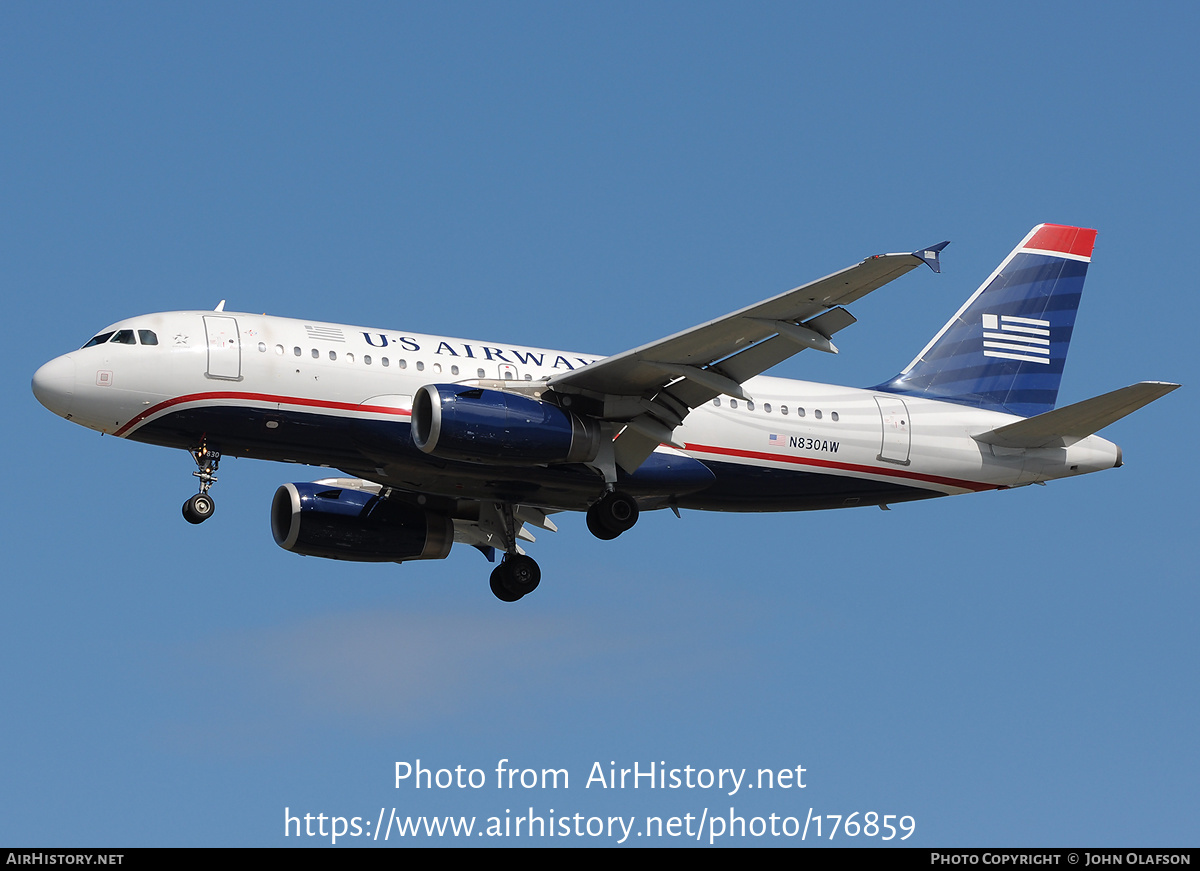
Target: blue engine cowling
343, 523
456, 422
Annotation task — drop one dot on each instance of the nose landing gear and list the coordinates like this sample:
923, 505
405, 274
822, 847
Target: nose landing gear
201, 506
198, 509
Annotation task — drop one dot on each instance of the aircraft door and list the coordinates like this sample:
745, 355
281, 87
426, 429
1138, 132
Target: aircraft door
224, 349
508, 372
897, 435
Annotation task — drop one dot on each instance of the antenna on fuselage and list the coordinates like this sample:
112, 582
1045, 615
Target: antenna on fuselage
220, 306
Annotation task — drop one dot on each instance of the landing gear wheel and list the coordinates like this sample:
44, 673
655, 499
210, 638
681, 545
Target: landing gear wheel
521, 574
199, 508
612, 515
498, 589
601, 532
515, 577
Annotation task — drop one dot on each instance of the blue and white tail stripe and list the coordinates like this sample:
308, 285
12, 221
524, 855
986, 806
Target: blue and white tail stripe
1005, 349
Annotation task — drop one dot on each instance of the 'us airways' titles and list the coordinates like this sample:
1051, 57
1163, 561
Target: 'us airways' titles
485, 353
443, 440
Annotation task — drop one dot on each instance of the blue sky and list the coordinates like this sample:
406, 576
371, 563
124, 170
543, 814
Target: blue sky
1015, 668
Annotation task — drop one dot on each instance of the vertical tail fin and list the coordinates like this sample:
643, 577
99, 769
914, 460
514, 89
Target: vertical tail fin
1005, 349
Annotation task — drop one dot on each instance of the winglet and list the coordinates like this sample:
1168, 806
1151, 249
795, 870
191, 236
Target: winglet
930, 256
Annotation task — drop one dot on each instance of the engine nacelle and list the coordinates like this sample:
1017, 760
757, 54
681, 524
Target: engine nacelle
456, 422
343, 523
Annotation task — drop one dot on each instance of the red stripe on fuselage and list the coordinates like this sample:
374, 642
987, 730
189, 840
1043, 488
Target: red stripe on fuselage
703, 449
845, 467
260, 397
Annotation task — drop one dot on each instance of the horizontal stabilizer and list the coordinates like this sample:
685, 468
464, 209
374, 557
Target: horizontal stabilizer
1067, 425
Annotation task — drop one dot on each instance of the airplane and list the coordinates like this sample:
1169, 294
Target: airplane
445, 440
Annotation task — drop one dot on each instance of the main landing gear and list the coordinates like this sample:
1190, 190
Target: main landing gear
201, 506
613, 514
516, 576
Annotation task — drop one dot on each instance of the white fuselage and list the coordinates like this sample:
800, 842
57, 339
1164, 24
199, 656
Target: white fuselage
336, 395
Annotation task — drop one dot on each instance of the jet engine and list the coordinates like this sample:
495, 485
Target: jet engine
477, 425
347, 524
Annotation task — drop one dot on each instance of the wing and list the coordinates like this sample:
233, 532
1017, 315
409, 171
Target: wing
652, 388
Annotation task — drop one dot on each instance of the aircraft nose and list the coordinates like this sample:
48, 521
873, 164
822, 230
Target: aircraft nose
54, 385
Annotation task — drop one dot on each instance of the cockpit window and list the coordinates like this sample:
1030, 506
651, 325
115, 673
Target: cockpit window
125, 337
99, 340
